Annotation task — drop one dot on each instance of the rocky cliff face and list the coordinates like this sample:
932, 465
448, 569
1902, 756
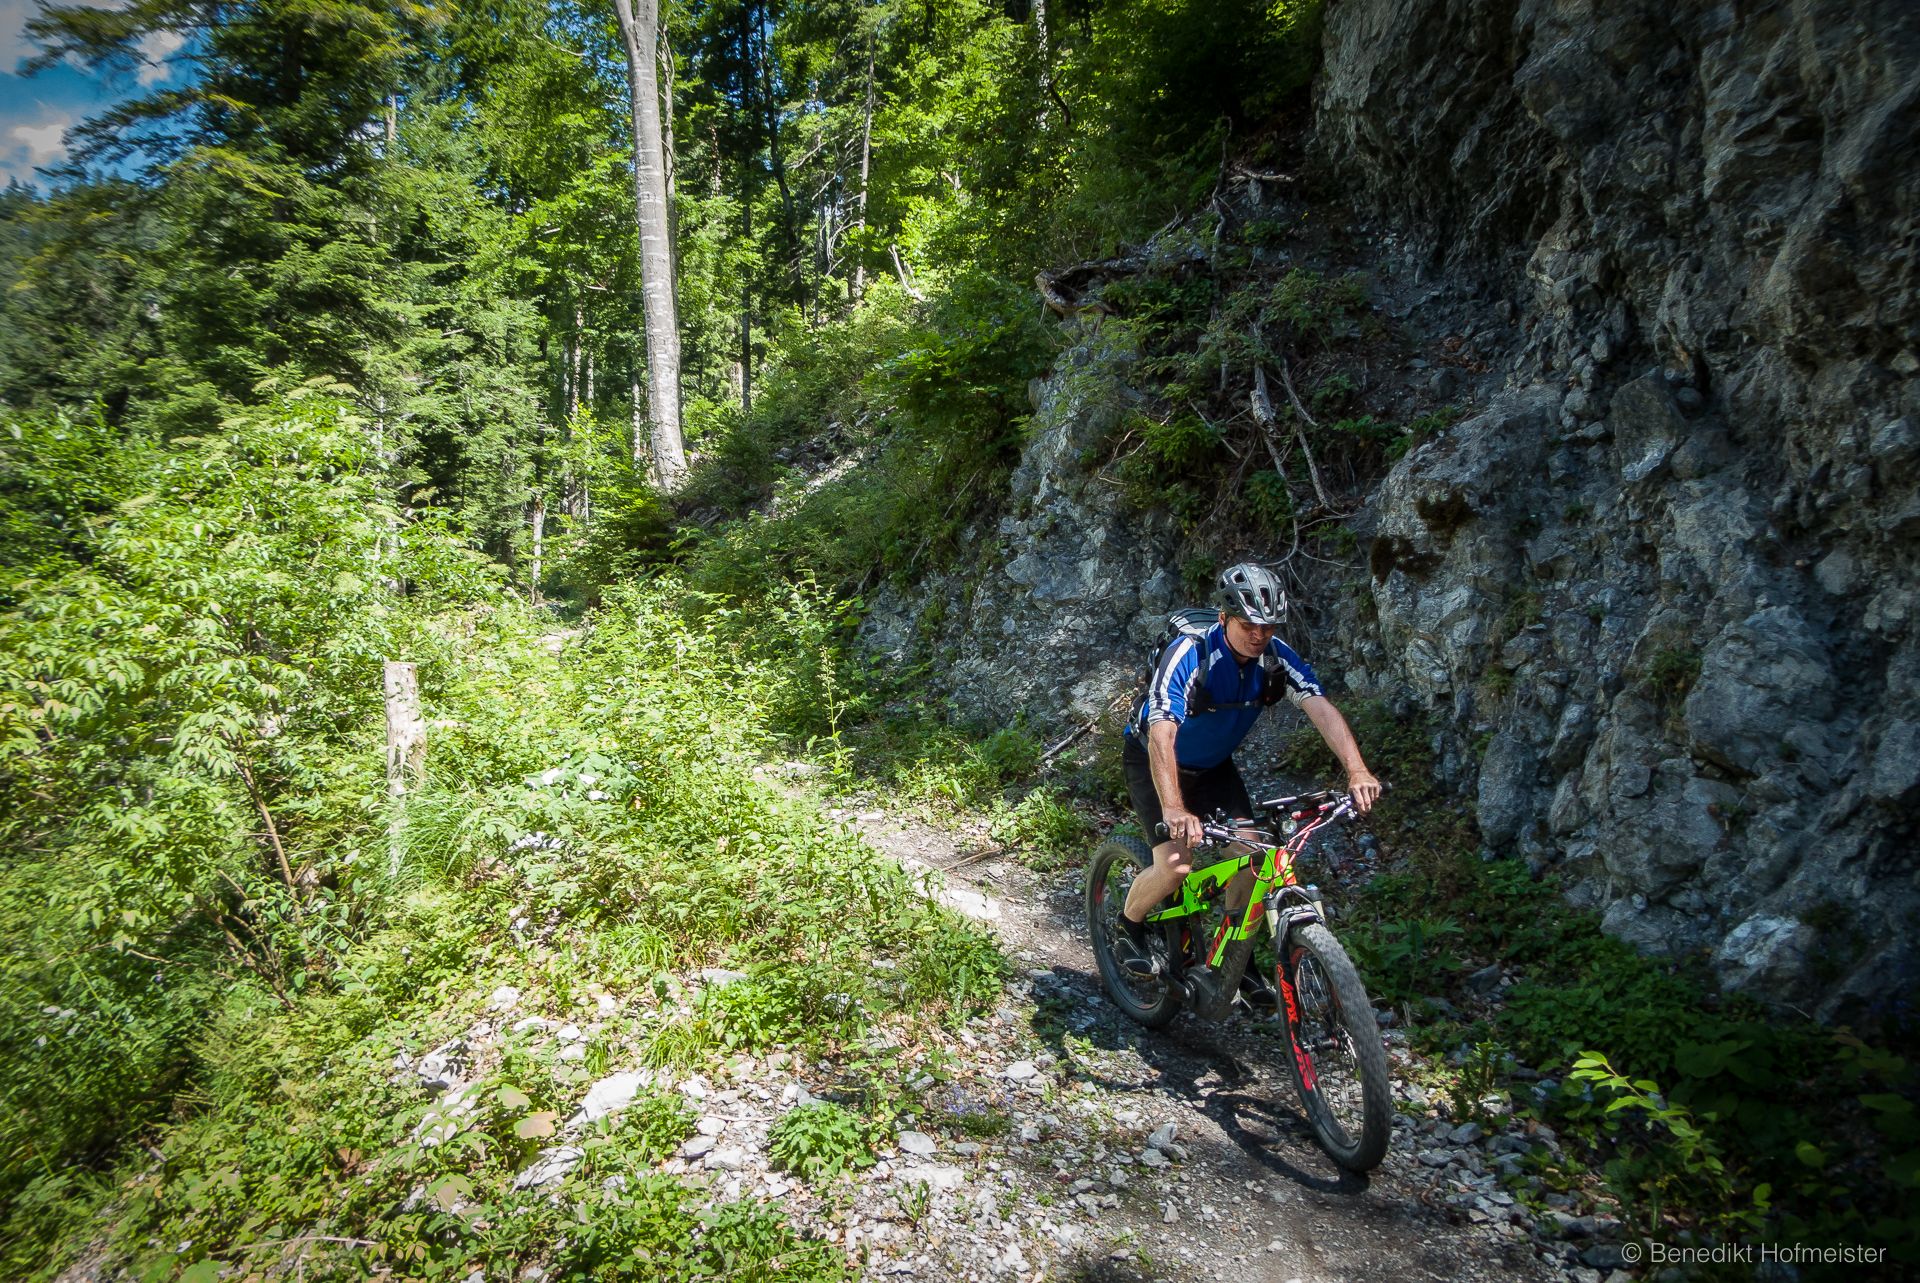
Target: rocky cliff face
1660, 587
1697, 511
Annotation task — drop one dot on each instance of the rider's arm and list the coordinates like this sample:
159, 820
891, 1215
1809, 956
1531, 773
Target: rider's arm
1182, 826
1334, 730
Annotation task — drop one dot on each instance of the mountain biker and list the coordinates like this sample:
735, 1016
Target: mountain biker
1205, 694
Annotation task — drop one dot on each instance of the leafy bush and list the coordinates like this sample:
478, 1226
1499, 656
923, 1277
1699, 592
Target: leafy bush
780, 1003
1042, 825
819, 1142
1269, 501
1404, 959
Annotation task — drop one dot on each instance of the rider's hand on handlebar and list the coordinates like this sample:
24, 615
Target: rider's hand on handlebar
1365, 789
1185, 828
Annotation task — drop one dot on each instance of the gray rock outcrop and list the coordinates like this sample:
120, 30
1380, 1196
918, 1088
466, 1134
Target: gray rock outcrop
1661, 590
1696, 512
1070, 586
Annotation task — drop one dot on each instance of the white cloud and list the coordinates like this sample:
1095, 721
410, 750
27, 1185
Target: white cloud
43, 142
154, 47
25, 147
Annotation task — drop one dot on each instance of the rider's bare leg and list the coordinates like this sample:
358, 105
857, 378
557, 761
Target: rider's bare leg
1150, 886
1170, 867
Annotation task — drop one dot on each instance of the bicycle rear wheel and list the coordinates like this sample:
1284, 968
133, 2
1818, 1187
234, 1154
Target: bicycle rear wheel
1150, 1002
1339, 1062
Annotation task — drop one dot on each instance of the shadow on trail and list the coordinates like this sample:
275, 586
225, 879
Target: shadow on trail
1187, 1061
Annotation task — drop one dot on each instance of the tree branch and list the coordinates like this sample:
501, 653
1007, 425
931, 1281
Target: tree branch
1313, 469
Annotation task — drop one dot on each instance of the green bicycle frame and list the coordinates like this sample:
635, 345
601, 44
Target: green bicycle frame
1204, 886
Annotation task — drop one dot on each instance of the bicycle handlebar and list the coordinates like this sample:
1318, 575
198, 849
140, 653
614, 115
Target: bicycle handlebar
1324, 806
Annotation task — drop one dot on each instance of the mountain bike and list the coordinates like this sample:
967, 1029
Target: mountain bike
1338, 1060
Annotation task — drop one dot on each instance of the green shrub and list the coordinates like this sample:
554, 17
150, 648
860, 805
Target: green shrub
780, 1003
819, 1142
1043, 826
1671, 674
1269, 501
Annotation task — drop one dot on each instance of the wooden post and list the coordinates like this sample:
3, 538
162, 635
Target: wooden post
406, 748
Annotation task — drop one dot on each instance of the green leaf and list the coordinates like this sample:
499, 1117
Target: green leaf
450, 1190
514, 1098
1887, 1103
1905, 1170
1810, 1154
535, 1126
204, 1270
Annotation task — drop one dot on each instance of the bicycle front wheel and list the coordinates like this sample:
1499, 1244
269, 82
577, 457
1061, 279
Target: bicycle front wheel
1119, 859
1338, 1060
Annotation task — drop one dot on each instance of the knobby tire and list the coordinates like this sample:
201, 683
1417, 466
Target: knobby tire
1115, 864
1345, 1086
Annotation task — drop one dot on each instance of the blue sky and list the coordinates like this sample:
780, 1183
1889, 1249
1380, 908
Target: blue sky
36, 111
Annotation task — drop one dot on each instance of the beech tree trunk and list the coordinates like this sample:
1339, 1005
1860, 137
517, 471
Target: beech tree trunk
639, 30
539, 520
866, 169
1046, 57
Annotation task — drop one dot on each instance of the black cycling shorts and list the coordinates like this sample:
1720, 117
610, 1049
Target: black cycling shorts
1204, 791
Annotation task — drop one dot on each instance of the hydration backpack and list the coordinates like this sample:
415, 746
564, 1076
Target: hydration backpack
1196, 622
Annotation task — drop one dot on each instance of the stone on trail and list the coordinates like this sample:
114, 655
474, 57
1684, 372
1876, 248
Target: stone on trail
1162, 1136
505, 998
1465, 1134
916, 1143
550, 1167
934, 1176
610, 1095
439, 1068
1020, 1071
969, 904
720, 977
731, 1159
698, 1147
1153, 1158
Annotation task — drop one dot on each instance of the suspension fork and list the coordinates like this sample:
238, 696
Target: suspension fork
1288, 908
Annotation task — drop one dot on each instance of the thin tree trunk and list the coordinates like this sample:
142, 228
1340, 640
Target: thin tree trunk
866, 169
573, 364
777, 162
539, 546
570, 480
746, 307
1046, 72
638, 27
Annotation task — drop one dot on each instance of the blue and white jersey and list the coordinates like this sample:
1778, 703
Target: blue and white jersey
1201, 674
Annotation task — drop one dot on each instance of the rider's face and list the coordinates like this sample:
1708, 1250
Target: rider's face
1244, 639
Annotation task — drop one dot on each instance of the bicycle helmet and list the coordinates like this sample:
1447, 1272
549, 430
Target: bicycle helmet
1252, 592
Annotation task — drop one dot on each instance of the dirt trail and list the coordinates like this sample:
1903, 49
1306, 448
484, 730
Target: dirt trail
1253, 1196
